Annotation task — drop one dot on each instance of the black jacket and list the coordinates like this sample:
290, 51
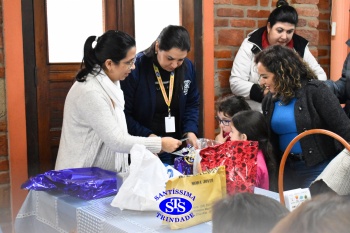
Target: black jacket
341, 88
316, 107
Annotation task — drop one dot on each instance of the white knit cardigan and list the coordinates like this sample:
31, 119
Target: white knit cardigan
91, 134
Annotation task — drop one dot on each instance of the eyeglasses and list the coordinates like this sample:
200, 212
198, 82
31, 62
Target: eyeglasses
224, 122
130, 63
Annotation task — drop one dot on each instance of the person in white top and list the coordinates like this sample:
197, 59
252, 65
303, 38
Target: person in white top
94, 131
280, 29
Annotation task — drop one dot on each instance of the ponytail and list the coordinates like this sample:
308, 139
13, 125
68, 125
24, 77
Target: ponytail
112, 45
89, 59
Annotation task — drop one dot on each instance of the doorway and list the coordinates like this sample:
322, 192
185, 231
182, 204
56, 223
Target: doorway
47, 84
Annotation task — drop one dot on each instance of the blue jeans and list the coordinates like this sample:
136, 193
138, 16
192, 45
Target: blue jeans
298, 175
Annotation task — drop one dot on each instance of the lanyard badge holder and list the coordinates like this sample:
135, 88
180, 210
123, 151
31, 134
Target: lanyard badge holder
169, 120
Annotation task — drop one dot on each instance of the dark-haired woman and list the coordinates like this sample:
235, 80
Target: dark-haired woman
94, 131
161, 94
280, 29
296, 102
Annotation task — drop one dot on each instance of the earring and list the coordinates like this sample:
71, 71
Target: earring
156, 52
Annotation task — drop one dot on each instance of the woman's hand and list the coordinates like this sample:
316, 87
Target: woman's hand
192, 139
170, 144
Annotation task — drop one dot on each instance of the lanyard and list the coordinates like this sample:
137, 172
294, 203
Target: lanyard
161, 85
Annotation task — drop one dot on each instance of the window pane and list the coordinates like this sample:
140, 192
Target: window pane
149, 23
70, 22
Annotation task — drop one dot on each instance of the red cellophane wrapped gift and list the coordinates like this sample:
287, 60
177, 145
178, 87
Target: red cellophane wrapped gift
239, 159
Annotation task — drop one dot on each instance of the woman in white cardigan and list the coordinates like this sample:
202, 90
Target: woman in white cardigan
94, 131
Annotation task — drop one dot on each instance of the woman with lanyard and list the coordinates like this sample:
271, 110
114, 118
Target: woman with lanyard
161, 94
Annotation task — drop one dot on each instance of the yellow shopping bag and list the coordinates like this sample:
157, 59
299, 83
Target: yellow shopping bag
188, 199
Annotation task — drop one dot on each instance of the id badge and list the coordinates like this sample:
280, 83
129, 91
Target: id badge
170, 124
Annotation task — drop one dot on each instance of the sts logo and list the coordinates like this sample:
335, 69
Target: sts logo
175, 209
175, 206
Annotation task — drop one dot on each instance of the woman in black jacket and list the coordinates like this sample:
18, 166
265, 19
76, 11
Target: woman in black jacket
297, 102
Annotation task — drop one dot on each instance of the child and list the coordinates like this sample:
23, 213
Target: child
226, 108
251, 125
246, 212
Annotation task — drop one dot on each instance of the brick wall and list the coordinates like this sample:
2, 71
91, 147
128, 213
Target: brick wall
234, 19
5, 207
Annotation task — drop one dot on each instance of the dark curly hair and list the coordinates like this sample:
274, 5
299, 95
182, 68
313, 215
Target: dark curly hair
289, 70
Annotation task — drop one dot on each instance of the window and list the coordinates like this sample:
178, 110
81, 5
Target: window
149, 23
70, 22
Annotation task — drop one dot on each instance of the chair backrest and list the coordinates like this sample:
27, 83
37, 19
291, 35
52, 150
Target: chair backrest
290, 146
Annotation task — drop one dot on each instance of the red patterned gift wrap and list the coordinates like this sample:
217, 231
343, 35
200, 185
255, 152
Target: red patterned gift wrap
239, 159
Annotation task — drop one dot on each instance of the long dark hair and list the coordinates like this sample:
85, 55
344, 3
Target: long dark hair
112, 45
172, 36
283, 13
254, 125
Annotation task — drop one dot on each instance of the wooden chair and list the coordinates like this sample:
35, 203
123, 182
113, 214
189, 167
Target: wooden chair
290, 146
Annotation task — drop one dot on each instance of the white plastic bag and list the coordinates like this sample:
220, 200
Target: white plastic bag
147, 178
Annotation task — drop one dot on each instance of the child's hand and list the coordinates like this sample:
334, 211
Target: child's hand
220, 137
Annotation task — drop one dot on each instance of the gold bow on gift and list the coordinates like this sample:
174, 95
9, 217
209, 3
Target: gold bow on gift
191, 153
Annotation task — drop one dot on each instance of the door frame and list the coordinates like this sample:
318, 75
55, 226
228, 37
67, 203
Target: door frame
15, 90
115, 9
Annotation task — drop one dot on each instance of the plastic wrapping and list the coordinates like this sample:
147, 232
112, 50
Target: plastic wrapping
184, 163
85, 183
204, 143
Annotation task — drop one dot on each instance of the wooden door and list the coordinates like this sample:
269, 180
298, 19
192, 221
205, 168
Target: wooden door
47, 84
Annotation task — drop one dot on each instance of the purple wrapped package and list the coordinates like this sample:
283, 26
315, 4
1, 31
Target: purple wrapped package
85, 183
184, 164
